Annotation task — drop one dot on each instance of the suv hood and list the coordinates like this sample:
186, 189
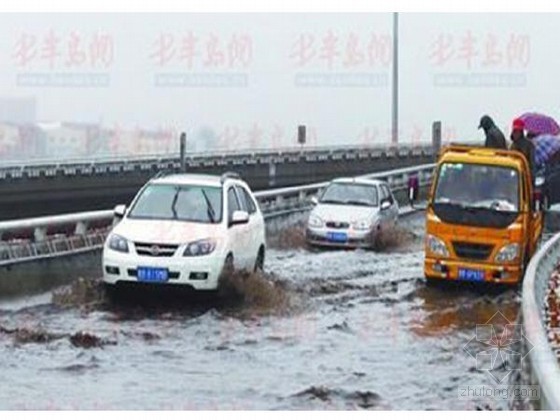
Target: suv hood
165, 231
344, 213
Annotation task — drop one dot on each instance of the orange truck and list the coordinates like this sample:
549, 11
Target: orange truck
483, 217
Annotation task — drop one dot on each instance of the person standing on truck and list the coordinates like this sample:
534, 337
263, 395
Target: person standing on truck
495, 139
521, 144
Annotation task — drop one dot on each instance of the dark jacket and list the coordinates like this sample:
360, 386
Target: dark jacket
495, 139
526, 147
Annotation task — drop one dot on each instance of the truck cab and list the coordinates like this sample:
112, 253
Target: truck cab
483, 218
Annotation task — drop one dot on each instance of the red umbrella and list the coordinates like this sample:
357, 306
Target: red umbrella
540, 124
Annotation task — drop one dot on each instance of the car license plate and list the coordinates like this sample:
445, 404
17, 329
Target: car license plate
337, 236
471, 275
152, 275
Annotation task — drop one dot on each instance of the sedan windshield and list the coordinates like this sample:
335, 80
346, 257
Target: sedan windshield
476, 186
191, 203
350, 193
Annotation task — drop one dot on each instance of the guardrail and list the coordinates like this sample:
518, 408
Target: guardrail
88, 166
543, 368
57, 236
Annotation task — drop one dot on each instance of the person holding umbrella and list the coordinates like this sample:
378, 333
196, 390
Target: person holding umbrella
539, 124
495, 139
521, 144
547, 149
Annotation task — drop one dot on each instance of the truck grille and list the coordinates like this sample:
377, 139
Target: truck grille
472, 251
338, 225
155, 250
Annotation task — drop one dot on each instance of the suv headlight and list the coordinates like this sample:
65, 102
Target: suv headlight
198, 248
508, 253
436, 246
315, 221
118, 243
365, 224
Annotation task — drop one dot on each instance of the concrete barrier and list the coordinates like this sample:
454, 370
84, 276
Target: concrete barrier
31, 189
542, 368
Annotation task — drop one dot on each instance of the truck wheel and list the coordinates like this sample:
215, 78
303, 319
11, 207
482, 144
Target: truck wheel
432, 282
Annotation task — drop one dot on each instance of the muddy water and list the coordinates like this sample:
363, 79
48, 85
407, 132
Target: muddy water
320, 330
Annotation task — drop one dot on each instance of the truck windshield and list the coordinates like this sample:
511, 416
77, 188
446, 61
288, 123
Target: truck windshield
479, 195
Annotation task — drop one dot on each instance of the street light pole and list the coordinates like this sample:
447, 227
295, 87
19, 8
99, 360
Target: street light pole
395, 98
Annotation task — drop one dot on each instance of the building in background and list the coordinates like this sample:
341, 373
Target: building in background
18, 110
63, 140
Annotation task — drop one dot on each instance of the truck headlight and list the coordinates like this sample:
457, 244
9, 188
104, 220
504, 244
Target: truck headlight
198, 248
436, 246
118, 243
315, 221
508, 253
364, 224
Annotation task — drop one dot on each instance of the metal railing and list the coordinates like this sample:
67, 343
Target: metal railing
115, 163
543, 367
58, 236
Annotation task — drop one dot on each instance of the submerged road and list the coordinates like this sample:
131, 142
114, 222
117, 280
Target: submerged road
319, 330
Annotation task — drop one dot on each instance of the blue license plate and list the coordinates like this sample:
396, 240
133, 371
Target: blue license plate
152, 275
337, 236
471, 275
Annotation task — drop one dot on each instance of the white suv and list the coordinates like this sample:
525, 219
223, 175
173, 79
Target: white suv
186, 229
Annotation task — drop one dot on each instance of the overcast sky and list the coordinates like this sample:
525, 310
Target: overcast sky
331, 72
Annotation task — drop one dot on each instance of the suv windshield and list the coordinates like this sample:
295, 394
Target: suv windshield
191, 203
350, 193
474, 194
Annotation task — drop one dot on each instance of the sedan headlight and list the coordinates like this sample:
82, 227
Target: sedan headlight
436, 246
198, 248
365, 224
315, 221
508, 253
118, 243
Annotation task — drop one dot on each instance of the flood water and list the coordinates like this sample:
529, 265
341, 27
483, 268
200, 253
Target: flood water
319, 330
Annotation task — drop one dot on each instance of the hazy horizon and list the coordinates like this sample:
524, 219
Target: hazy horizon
272, 72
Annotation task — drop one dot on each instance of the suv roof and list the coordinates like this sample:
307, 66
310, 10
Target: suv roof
197, 179
357, 180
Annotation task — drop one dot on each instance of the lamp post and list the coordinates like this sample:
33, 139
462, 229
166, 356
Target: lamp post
395, 96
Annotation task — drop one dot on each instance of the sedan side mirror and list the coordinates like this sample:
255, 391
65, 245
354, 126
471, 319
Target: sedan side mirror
239, 217
385, 205
314, 200
119, 211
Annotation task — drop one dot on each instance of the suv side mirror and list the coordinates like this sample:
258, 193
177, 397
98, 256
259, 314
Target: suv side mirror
413, 187
119, 211
239, 217
385, 205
